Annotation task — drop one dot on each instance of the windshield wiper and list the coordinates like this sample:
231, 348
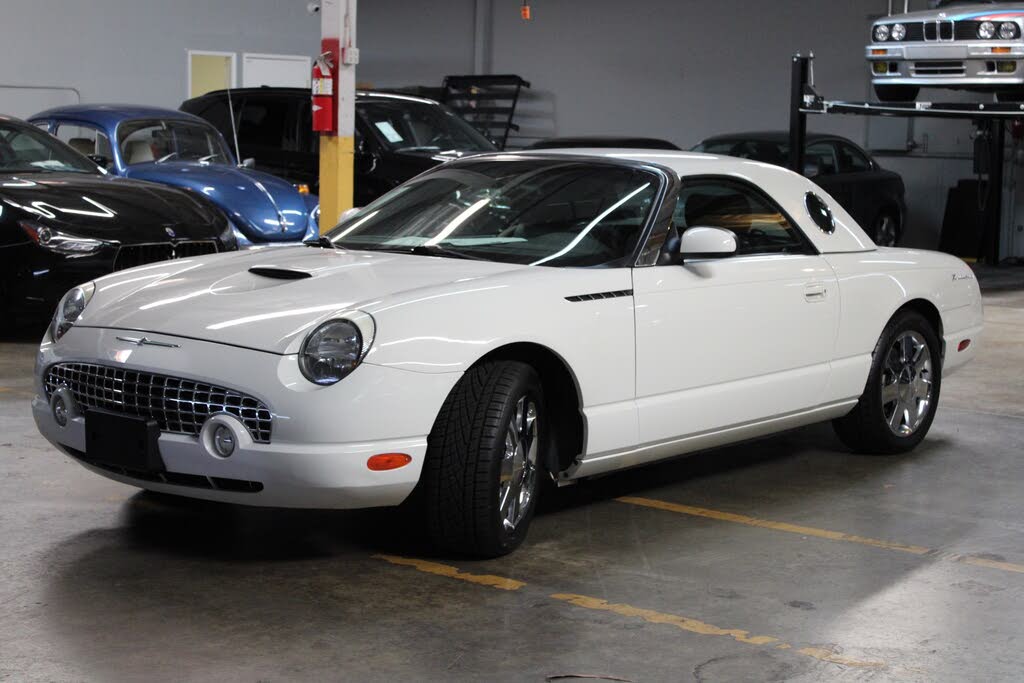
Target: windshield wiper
207, 159
166, 157
321, 241
422, 148
438, 250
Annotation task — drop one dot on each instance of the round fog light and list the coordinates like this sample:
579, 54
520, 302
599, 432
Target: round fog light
223, 441
60, 411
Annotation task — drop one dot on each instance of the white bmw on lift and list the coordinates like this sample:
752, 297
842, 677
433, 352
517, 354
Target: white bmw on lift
498, 320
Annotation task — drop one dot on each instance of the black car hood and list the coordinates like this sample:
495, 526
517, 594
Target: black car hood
110, 208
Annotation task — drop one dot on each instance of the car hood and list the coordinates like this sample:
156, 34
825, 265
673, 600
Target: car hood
264, 207
972, 11
219, 299
110, 208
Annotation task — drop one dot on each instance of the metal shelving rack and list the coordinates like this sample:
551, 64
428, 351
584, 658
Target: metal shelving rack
487, 102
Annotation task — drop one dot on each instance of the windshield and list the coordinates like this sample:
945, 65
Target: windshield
550, 212
163, 140
410, 126
30, 150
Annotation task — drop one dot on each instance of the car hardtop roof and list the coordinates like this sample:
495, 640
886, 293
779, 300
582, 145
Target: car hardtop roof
304, 93
774, 136
109, 115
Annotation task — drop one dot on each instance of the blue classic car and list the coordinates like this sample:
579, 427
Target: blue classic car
175, 148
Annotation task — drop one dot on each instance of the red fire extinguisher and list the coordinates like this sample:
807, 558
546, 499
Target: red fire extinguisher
324, 117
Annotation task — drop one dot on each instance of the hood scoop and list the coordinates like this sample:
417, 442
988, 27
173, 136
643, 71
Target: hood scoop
279, 273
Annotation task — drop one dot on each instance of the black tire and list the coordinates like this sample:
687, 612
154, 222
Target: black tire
885, 229
865, 429
465, 452
897, 93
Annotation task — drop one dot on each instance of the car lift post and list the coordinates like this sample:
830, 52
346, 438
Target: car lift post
989, 117
337, 149
797, 117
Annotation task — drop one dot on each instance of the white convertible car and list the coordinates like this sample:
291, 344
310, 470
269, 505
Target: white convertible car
502, 319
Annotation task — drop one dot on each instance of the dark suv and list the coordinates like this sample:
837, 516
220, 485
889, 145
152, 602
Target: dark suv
397, 136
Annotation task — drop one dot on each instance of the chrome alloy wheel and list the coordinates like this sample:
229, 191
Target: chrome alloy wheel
907, 383
519, 465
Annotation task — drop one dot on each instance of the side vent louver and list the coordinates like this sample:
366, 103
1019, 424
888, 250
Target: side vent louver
600, 295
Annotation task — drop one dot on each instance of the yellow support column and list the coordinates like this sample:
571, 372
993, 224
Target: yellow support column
337, 161
337, 151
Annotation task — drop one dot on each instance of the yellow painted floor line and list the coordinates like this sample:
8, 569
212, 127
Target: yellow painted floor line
777, 526
445, 570
699, 627
819, 533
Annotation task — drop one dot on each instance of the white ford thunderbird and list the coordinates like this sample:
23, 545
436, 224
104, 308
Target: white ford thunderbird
502, 319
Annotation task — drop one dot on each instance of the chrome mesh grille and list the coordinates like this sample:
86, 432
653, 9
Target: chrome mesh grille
178, 405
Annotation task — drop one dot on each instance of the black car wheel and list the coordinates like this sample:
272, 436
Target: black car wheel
898, 405
897, 93
483, 468
885, 230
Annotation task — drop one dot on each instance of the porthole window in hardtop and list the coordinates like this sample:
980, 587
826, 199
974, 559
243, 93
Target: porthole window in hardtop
820, 213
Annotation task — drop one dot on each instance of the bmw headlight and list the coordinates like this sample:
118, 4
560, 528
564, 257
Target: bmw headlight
881, 33
70, 309
898, 31
60, 242
1008, 30
334, 349
986, 30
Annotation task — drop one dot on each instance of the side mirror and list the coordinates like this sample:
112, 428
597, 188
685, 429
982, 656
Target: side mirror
248, 163
348, 213
702, 243
99, 160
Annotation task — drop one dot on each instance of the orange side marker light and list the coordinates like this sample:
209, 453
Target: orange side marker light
388, 461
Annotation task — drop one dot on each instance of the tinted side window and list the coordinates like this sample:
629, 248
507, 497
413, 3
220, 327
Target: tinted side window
822, 155
851, 160
217, 113
85, 139
760, 226
268, 122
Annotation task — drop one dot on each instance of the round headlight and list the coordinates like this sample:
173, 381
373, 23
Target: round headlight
881, 33
898, 31
331, 352
70, 308
986, 30
1008, 30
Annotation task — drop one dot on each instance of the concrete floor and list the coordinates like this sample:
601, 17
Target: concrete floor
786, 559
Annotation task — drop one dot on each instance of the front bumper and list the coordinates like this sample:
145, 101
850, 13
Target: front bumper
321, 436
947, 64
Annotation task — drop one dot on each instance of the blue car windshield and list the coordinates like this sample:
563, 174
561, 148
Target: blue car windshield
161, 140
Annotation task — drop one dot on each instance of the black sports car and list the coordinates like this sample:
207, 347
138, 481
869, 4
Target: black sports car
397, 136
872, 195
63, 221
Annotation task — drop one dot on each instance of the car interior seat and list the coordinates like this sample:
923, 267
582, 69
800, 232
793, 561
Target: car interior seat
139, 151
83, 145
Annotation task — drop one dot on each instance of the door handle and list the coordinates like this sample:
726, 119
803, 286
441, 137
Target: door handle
815, 292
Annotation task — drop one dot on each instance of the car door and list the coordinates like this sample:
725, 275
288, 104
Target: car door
269, 132
729, 342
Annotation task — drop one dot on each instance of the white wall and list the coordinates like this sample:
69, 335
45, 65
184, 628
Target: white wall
677, 69
135, 50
